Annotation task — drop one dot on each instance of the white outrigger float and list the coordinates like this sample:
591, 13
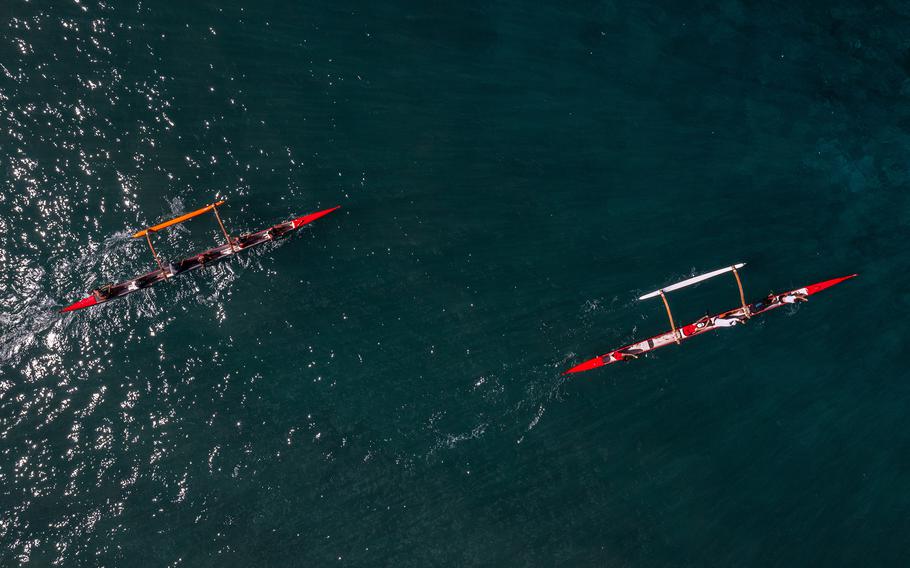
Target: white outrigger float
707, 323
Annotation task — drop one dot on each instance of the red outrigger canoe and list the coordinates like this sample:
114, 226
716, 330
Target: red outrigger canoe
166, 271
707, 323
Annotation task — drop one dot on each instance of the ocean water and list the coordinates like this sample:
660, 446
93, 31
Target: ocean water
384, 388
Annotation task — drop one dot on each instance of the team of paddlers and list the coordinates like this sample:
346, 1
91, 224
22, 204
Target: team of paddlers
172, 269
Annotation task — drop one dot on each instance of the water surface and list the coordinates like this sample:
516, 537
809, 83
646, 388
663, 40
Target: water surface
384, 387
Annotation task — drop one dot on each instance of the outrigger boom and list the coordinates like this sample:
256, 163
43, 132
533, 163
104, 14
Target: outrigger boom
707, 323
695, 280
176, 220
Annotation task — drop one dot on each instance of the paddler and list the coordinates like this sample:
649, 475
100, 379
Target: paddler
279, 231
103, 293
788, 298
729, 320
794, 297
622, 354
207, 256
249, 240
702, 324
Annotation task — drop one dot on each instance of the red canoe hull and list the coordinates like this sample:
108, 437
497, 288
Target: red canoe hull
301, 221
695, 328
220, 252
83, 303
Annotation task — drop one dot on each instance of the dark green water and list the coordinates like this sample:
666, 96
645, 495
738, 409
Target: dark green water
384, 387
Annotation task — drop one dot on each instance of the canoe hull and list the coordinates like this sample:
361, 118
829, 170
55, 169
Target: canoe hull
699, 327
198, 261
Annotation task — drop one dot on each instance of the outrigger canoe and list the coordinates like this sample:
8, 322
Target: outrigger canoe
232, 246
708, 323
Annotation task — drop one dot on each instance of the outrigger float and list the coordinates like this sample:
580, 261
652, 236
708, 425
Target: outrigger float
729, 318
231, 246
